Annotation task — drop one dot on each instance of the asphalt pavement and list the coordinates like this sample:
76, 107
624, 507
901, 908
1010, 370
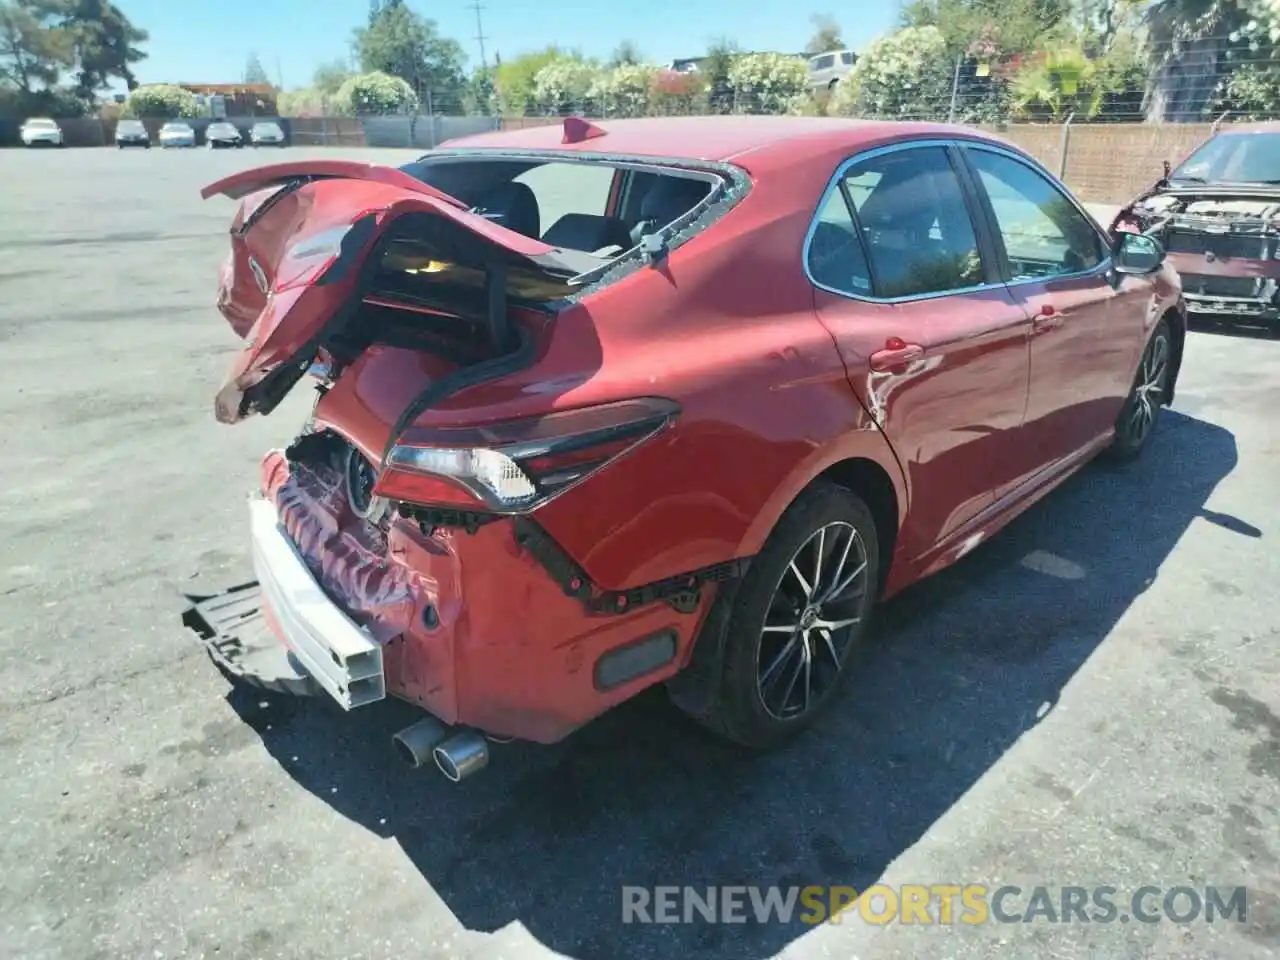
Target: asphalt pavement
1093, 698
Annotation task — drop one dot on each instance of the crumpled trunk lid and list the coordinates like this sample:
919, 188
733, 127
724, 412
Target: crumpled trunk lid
310, 241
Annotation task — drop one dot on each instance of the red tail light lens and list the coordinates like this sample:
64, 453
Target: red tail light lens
516, 466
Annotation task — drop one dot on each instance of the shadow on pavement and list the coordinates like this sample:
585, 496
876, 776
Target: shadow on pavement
962, 666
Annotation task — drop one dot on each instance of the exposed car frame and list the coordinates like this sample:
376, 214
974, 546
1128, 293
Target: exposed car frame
1223, 237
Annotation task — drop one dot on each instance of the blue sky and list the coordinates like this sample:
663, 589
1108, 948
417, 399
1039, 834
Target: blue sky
208, 41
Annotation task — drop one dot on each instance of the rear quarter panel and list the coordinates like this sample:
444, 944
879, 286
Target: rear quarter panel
725, 326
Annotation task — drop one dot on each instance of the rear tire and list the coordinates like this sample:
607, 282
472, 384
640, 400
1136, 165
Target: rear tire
1141, 411
796, 622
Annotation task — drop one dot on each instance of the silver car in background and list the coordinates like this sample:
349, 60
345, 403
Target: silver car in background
175, 133
222, 134
132, 133
266, 133
826, 70
41, 131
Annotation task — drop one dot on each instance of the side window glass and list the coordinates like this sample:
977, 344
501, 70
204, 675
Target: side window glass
835, 255
917, 228
1044, 234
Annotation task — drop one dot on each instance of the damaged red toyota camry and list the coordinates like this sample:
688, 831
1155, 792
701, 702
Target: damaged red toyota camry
602, 406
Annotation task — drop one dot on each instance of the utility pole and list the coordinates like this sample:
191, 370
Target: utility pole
484, 63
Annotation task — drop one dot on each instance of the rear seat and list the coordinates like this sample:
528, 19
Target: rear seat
587, 232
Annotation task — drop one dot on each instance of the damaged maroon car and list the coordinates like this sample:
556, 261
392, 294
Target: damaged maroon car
1218, 216
763, 373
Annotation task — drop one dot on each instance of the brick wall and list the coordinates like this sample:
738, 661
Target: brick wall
1110, 163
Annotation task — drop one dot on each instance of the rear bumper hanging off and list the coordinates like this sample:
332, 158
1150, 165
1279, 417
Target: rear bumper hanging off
236, 636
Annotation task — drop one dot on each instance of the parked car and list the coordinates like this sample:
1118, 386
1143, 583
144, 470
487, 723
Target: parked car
689, 432
175, 133
266, 134
41, 132
132, 133
1218, 215
827, 69
222, 134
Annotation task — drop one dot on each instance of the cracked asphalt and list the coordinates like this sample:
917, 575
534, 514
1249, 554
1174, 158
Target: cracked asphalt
1093, 698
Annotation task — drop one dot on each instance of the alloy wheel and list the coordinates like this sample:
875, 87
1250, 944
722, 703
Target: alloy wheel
1149, 391
811, 618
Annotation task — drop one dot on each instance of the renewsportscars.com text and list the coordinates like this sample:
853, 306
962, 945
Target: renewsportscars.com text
941, 904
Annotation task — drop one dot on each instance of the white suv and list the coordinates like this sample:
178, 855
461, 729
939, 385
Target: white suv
41, 130
828, 69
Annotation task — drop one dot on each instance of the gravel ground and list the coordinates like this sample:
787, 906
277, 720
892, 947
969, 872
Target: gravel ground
1092, 698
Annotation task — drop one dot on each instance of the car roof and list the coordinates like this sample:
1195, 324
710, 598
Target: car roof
716, 139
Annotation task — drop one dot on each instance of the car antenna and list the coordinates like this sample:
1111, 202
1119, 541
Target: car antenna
576, 129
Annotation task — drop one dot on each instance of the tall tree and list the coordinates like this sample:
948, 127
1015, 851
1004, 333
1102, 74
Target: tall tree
409, 46
377, 7
1019, 24
104, 42
625, 53
255, 72
330, 76
34, 49
826, 35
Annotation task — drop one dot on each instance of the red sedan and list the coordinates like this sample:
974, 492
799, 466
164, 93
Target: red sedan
754, 375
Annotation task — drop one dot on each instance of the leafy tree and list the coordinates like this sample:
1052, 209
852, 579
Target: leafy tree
104, 43
514, 79
715, 67
625, 54
162, 101
826, 35
378, 7
254, 72
329, 77
34, 50
1019, 24
478, 98
403, 44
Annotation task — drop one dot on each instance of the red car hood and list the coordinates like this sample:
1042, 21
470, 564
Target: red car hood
300, 257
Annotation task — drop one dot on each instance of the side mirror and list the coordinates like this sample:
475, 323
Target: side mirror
1137, 254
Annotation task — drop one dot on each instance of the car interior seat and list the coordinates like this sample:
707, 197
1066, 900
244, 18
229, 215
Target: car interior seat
588, 232
666, 200
513, 205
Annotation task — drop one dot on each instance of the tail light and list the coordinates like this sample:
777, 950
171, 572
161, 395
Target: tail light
516, 466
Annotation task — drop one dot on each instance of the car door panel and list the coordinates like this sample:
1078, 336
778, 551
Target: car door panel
1059, 269
948, 414
936, 352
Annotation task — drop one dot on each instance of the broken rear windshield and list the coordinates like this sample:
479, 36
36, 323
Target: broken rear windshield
1234, 158
594, 206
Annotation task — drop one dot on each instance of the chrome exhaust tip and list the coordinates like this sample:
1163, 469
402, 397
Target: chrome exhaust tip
462, 755
415, 744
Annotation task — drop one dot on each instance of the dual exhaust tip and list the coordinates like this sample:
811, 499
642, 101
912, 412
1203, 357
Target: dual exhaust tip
457, 755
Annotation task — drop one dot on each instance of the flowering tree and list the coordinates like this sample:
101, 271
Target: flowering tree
903, 75
673, 92
370, 94
162, 101
563, 84
623, 91
768, 82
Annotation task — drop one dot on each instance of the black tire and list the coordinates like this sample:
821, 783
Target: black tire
1141, 411
739, 711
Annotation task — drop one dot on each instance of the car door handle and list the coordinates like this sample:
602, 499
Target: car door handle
1046, 318
896, 353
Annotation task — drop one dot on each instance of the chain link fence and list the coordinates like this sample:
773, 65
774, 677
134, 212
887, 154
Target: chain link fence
1104, 119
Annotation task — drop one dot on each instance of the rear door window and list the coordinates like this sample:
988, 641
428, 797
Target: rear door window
915, 223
